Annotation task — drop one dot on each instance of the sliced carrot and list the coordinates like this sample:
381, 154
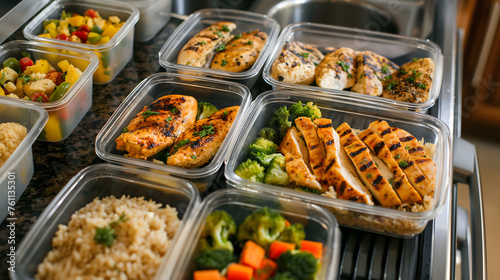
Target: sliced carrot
313, 247
252, 254
212, 274
278, 247
266, 270
287, 223
236, 271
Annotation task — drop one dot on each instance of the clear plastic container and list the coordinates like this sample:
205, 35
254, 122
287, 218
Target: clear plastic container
358, 114
220, 93
16, 172
398, 49
103, 180
245, 22
319, 225
66, 113
113, 55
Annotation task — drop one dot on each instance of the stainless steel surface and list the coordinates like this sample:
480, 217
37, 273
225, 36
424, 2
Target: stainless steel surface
186, 7
18, 15
464, 247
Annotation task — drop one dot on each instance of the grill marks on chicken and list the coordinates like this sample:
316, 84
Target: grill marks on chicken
372, 70
338, 70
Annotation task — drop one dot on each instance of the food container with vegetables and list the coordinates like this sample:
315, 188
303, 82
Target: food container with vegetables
381, 68
108, 240
177, 124
251, 235
16, 161
378, 169
55, 78
220, 43
105, 28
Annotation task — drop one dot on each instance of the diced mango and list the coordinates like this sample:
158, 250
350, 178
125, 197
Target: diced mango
50, 26
41, 66
72, 75
114, 19
110, 31
2, 92
53, 33
63, 65
76, 21
45, 35
52, 128
103, 40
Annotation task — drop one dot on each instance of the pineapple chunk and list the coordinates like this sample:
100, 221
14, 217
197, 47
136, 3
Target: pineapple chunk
41, 66
76, 21
110, 31
46, 86
64, 65
46, 35
114, 19
10, 86
2, 92
72, 75
8, 74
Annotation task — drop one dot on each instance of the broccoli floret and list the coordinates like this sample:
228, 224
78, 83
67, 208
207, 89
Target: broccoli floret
279, 122
300, 265
205, 110
293, 234
268, 134
250, 170
263, 226
214, 259
261, 145
276, 173
262, 158
219, 227
283, 276
308, 110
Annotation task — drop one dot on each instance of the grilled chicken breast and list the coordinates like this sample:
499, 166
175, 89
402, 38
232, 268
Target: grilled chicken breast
372, 69
415, 176
200, 142
296, 63
400, 183
367, 169
241, 52
200, 49
157, 126
411, 83
297, 160
337, 70
339, 170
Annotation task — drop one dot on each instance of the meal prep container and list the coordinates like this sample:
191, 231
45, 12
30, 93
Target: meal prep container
102, 180
245, 22
358, 115
319, 225
16, 172
398, 49
113, 55
66, 113
220, 93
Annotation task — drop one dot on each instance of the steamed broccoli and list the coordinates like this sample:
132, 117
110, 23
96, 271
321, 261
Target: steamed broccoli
279, 122
219, 227
293, 234
250, 170
298, 264
276, 173
268, 134
283, 276
214, 259
261, 145
205, 110
262, 158
308, 110
263, 226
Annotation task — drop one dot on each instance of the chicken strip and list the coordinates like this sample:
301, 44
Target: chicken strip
199, 50
157, 126
372, 69
339, 170
297, 160
241, 52
201, 141
296, 63
367, 169
337, 70
411, 83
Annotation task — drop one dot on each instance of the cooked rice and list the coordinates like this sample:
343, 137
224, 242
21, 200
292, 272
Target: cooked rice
11, 135
142, 240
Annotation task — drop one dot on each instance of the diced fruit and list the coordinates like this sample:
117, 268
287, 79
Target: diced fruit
75, 21
52, 128
91, 13
39, 97
41, 66
81, 34
96, 29
45, 35
72, 74
62, 36
64, 65
110, 31
49, 21
25, 62
2, 92
114, 19
103, 40
94, 38
84, 28
51, 26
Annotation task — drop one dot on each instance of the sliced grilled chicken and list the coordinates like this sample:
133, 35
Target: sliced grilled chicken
157, 126
241, 52
411, 83
297, 160
372, 69
296, 63
337, 70
398, 180
417, 154
367, 169
415, 176
340, 173
200, 49
201, 141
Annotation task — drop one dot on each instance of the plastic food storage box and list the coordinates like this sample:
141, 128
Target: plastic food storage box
66, 113
245, 22
220, 93
397, 48
113, 55
358, 115
16, 172
102, 180
319, 225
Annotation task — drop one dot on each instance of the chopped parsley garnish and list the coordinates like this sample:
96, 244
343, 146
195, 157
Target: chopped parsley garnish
345, 67
403, 71
107, 235
205, 130
391, 85
387, 78
422, 86
237, 36
193, 157
148, 113
391, 181
25, 54
125, 130
403, 164
218, 33
304, 54
414, 76
3, 77
174, 110
225, 29
376, 164
200, 43
407, 147
398, 156
368, 175
415, 59
250, 42
221, 48
223, 63
315, 64
385, 69
24, 79
180, 144
168, 120
225, 113
121, 219
39, 99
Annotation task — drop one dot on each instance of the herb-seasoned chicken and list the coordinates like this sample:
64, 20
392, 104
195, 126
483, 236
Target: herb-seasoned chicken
157, 126
337, 70
296, 63
241, 52
339, 170
372, 69
200, 49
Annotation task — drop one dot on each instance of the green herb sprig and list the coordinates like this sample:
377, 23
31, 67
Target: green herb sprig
148, 113
206, 130
345, 68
